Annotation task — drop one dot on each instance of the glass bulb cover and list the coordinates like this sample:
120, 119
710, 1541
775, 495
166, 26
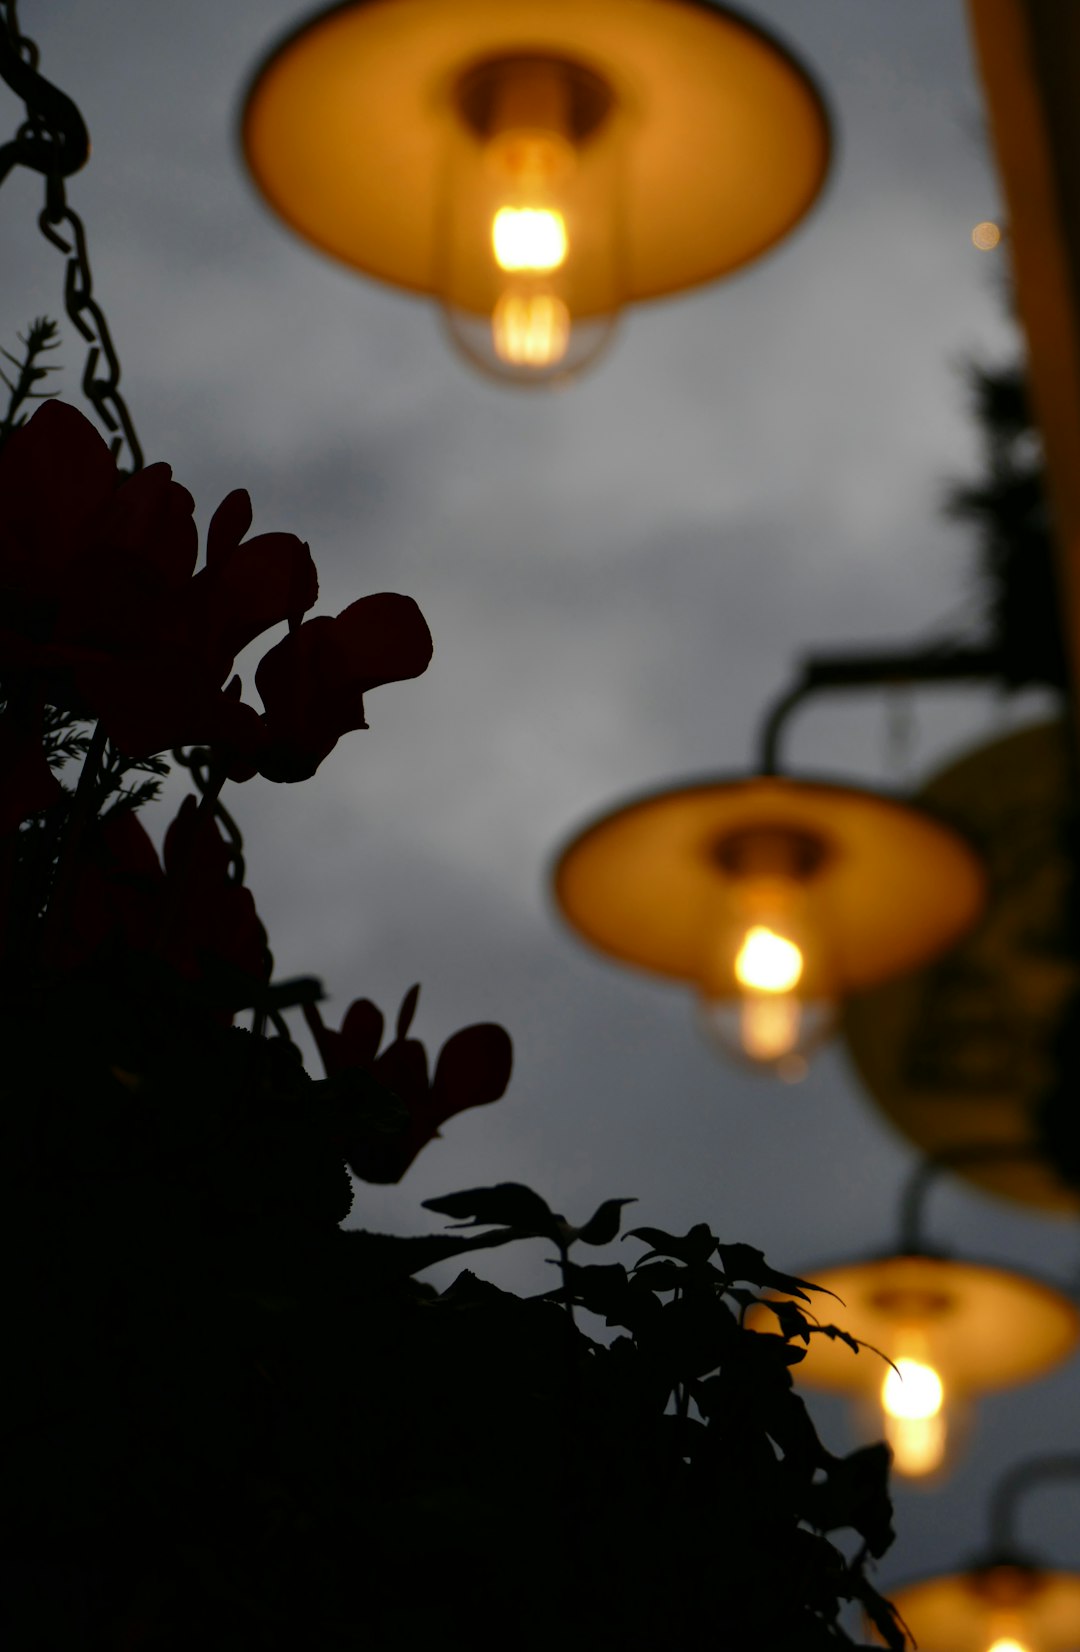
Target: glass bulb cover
775, 1033
766, 983
923, 1414
529, 243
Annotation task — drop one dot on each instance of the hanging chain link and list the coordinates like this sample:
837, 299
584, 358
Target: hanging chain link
52, 140
101, 372
197, 759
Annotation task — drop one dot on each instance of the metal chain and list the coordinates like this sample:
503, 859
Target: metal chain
197, 759
101, 388
52, 140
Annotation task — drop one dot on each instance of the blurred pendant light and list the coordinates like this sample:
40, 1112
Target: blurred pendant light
773, 897
952, 1330
994, 1608
1004, 1600
536, 165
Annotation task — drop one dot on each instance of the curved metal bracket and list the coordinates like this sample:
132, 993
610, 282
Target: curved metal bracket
834, 672
928, 1170
1064, 1465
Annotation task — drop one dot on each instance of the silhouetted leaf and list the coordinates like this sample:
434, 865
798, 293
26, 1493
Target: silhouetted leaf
695, 1246
691, 1336
882, 1614
744, 1262
388, 1253
836, 1334
793, 1321
662, 1275
473, 1069
509, 1204
408, 1010
603, 1225
855, 1494
601, 1287
287, 995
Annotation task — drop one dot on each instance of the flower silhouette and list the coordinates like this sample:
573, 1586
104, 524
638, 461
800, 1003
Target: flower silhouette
100, 595
313, 683
473, 1069
190, 913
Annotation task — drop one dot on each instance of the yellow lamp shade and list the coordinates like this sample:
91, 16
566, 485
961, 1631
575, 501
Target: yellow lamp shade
1002, 1608
666, 141
891, 885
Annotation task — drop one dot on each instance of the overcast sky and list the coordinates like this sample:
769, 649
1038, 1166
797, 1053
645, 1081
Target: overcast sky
618, 577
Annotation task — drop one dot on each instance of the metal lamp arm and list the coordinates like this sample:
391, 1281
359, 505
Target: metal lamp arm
1018, 1481
927, 1171
831, 673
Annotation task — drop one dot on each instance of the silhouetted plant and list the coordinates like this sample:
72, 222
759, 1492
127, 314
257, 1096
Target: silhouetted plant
233, 1423
1008, 506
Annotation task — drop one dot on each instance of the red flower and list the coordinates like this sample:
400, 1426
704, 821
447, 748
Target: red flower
98, 582
190, 914
314, 681
473, 1069
210, 922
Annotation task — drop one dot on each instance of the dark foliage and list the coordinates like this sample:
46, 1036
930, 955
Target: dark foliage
1008, 506
234, 1424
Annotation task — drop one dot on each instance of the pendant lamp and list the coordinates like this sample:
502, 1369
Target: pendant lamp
938, 1332
1004, 1600
535, 165
953, 1330
994, 1608
772, 898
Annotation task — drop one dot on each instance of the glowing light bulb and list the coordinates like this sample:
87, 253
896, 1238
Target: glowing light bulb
913, 1400
768, 962
530, 329
530, 243
768, 966
1007, 1643
529, 238
765, 969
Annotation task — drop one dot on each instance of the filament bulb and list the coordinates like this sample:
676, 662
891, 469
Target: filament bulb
530, 329
529, 238
531, 246
768, 967
765, 975
913, 1400
768, 962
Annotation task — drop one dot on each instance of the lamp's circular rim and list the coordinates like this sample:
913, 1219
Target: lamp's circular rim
641, 888
978, 1363
416, 274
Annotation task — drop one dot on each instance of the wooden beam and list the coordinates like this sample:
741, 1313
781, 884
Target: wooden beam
1028, 53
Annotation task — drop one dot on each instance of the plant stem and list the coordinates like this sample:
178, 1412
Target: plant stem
40, 336
83, 807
